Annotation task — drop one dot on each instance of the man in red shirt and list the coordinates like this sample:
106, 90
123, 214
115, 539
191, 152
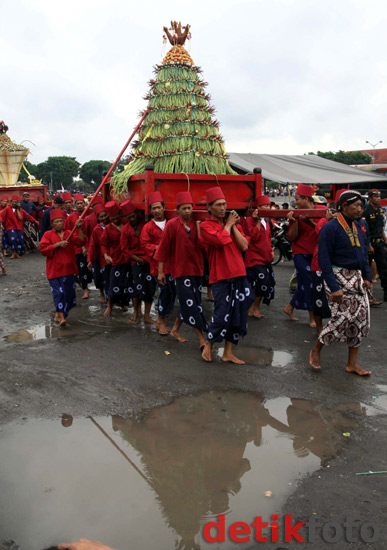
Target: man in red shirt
141, 281
84, 275
61, 266
117, 258
150, 239
259, 257
96, 262
180, 246
225, 242
12, 218
303, 237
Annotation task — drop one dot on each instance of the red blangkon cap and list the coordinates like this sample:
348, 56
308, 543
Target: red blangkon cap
56, 213
214, 194
184, 197
67, 197
155, 196
4, 198
99, 208
79, 197
15, 198
112, 209
263, 199
304, 190
40, 198
127, 208
98, 200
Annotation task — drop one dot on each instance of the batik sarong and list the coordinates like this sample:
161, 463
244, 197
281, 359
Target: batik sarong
15, 240
118, 284
84, 274
30, 235
320, 302
144, 285
105, 276
167, 295
189, 294
63, 293
232, 300
261, 279
303, 297
4, 242
97, 274
350, 320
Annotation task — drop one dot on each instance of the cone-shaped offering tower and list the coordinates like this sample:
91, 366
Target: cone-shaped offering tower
12, 157
179, 133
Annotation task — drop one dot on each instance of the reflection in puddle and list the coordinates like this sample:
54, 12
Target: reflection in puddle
154, 482
261, 356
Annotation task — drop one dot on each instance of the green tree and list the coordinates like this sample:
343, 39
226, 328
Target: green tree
92, 171
352, 157
59, 170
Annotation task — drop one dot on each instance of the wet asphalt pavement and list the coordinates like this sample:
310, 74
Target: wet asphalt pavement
107, 369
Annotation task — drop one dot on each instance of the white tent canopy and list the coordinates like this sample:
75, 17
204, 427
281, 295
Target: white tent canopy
295, 169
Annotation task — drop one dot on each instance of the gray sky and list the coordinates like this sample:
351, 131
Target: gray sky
286, 77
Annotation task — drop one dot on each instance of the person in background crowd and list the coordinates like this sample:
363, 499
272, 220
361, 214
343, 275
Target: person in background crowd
2, 264
68, 203
343, 259
117, 258
29, 228
96, 262
45, 224
304, 239
82, 544
84, 275
374, 216
61, 267
224, 241
144, 285
258, 258
12, 217
3, 242
151, 236
180, 246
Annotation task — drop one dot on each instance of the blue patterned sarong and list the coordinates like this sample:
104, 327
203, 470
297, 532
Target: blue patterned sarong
189, 293
232, 300
63, 292
144, 285
118, 284
303, 297
16, 240
261, 279
167, 295
84, 274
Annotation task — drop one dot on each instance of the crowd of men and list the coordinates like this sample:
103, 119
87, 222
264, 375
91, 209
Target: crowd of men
130, 259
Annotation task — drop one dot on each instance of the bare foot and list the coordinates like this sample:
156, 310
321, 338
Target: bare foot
257, 314
134, 318
56, 318
63, 323
162, 328
357, 370
86, 293
314, 360
206, 354
108, 312
178, 336
289, 311
312, 324
148, 319
230, 358
102, 300
4, 271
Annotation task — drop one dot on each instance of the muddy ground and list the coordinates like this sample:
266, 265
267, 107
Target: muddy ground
98, 366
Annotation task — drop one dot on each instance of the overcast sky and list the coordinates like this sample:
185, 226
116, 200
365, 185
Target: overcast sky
286, 77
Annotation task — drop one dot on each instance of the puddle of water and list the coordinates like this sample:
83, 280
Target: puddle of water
154, 482
261, 356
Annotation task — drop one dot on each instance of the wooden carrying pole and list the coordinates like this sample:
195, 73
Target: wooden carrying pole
110, 171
